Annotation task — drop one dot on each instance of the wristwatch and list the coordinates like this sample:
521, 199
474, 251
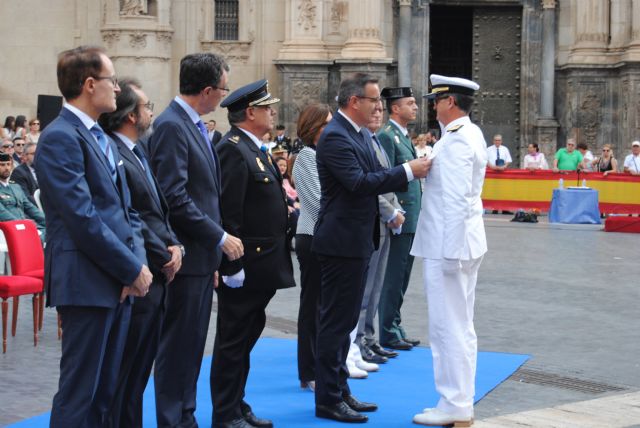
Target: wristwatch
182, 251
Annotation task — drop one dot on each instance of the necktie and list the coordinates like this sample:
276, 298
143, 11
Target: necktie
205, 135
147, 170
374, 137
497, 154
97, 132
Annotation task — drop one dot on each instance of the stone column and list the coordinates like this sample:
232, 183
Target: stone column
620, 23
404, 43
547, 125
633, 53
419, 60
592, 31
364, 42
548, 57
303, 32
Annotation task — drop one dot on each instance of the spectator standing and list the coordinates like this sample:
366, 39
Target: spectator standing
534, 160
8, 130
567, 158
213, 134
281, 139
422, 147
20, 127
632, 161
607, 162
311, 123
34, 131
499, 156
587, 157
24, 174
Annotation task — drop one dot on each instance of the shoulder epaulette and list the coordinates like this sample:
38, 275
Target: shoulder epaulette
388, 128
235, 139
455, 128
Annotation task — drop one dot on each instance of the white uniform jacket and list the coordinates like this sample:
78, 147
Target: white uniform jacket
450, 225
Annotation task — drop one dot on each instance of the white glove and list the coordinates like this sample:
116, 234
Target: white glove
234, 281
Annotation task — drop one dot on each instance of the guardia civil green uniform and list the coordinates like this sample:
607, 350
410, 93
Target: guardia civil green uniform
14, 205
399, 150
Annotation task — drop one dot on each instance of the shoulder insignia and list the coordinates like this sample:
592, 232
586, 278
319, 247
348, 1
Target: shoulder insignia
235, 139
455, 128
388, 128
260, 164
397, 139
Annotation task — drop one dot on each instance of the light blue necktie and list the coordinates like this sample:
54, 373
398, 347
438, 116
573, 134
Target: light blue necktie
97, 132
205, 135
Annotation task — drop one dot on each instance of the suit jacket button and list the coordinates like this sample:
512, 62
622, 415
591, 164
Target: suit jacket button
402, 202
258, 249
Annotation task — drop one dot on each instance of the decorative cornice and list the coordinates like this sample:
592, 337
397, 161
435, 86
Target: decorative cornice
404, 3
549, 4
232, 50
138, 40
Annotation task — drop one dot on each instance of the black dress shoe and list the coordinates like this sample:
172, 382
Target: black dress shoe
371, 357
359, 406
236, 423
252, 419
398, 344
414, 342
381, 351
340, 412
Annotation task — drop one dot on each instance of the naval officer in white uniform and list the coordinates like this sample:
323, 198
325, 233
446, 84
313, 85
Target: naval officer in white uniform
451, 240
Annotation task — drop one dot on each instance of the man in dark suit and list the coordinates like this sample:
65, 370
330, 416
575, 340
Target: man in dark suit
254, 208
125, 126
24, 174
213, 134
188, 171
94, 256
346, 234
281, 140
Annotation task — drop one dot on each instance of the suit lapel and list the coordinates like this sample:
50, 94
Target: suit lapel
359, 138
92, 143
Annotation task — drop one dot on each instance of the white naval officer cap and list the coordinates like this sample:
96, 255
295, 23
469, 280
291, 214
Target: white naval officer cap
441, 85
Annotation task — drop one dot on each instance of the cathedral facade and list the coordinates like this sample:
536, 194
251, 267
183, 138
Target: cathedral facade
547, 68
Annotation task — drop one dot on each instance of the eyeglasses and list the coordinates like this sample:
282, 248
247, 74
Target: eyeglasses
36, 123
148, 105
113, 79
605, 150
19, 144
7, 146
372, 99
226, 88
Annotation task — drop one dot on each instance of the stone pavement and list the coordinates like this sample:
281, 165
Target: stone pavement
567, 295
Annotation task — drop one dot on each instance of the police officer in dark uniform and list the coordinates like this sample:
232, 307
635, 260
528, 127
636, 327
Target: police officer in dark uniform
254, 208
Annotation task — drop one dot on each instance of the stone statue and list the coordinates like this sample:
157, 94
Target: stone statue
132, 7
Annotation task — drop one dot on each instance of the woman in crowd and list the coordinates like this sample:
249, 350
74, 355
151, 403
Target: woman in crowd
534, 159
34, 131
8, 129
20, 127
311, 122
605, 163
422, 148
587, 157
292, 199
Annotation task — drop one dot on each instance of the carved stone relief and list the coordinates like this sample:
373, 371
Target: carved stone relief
138, 40
233, 51
110, 38
337, 8
589, 114
304, 92
307, 14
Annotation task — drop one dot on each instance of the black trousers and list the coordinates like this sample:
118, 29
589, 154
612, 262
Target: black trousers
241, 319
309, 303
92, 347
184, 333
341, 291
140, 351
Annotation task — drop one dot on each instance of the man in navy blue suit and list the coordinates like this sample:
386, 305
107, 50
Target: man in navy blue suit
94, 256
346, 234
125, 126
188, 171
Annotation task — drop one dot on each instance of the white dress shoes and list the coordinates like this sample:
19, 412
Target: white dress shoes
367, 367
354, 371
436, 417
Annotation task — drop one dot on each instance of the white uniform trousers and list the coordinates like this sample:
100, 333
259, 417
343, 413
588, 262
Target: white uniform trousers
450, 289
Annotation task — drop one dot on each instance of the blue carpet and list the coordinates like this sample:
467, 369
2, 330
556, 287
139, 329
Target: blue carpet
402, 387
